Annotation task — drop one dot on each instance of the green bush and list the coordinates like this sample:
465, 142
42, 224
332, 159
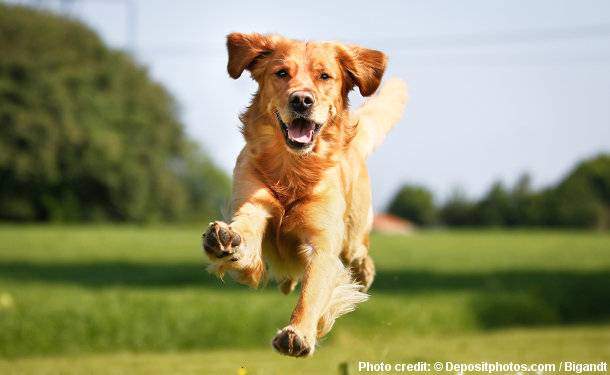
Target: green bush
495, 209
580, 200
457, 210
87, 135
414, 203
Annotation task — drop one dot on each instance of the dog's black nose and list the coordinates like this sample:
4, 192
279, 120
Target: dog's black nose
301, 101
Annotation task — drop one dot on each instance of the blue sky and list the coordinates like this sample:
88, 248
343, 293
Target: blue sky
497, 87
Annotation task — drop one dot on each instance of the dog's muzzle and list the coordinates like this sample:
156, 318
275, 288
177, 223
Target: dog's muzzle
300, 133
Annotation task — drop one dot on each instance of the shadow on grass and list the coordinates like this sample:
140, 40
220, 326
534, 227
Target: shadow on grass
501, 298
109, 274
515, 297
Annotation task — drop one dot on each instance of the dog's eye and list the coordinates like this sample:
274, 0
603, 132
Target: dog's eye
282, 73
324, 76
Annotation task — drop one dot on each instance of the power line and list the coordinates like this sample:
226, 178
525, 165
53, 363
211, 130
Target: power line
524, 36
432, 42
401, 46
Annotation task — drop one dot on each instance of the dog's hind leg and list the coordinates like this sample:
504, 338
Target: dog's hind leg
363, 270
356, 257
287, 285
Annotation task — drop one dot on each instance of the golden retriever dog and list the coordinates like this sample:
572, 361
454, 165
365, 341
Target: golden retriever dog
301, 201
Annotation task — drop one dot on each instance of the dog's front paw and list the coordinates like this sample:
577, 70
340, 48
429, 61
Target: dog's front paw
221, 243
291, 342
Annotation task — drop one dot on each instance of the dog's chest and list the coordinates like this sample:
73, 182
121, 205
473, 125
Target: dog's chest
286, 236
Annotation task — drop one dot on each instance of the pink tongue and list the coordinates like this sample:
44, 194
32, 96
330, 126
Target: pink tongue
300, 131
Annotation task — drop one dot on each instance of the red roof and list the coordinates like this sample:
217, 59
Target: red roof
387, 223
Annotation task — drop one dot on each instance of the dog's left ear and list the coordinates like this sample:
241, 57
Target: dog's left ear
364, 67
245, 50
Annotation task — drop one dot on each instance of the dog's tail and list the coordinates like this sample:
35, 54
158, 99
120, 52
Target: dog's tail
378, 115
345, 295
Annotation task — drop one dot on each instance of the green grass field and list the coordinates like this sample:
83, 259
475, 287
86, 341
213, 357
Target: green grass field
137, 300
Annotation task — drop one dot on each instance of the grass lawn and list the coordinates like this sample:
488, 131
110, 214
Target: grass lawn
133, 299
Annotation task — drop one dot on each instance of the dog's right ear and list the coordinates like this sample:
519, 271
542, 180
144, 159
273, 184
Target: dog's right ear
245, 50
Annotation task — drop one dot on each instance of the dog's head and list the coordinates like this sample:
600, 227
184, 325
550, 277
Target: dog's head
303, 85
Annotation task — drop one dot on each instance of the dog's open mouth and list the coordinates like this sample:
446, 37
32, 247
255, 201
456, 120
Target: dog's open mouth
300, 133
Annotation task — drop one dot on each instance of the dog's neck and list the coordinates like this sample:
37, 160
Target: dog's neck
290, 175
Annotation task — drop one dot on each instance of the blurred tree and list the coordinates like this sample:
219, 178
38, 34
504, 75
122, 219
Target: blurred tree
582, 198
525, 207
457, 210
414, 203
495, 207
87, 135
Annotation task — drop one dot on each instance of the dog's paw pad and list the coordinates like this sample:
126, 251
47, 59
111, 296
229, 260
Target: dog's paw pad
289, 342
220, 242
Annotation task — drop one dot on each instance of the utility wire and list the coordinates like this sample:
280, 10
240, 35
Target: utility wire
417, 44
506, 37
406, 47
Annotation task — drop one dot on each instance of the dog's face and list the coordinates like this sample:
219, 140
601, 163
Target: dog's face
302, 86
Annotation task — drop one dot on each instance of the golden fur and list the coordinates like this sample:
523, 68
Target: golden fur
304, 214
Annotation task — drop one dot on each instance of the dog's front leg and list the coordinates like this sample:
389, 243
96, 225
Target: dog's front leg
327, 292
235, 248
298, 339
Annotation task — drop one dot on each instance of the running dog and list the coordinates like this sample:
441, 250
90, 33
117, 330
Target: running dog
301, 201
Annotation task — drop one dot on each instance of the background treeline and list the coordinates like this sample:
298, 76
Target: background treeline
580, 200
86, 135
